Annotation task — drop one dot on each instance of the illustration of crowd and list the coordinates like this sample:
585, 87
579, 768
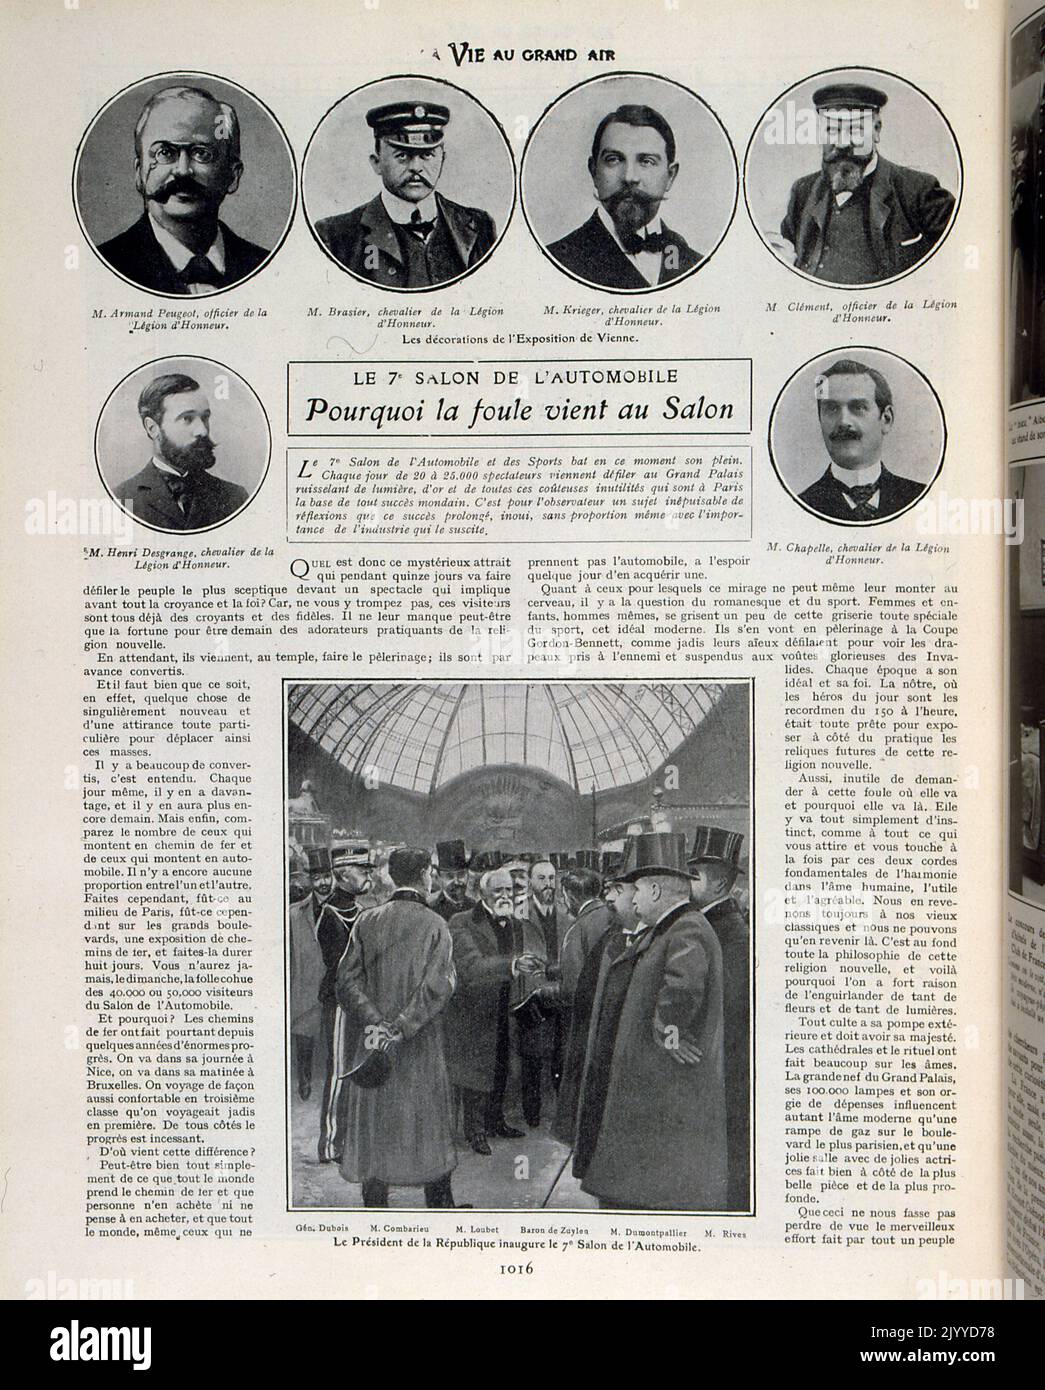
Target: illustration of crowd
613, 985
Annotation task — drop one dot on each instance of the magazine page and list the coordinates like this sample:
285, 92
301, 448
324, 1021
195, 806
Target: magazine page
504, 758
1025, 900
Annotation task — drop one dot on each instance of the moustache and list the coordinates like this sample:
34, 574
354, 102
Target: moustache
180, 183
629, 195
844, 432
831, 154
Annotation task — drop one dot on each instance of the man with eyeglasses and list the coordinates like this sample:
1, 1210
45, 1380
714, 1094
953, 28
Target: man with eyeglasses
187, 161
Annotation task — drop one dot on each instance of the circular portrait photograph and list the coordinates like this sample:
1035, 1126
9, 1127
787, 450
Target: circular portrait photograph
182, 444
185, 184
857, 436
629, 182
853, 177
408, 183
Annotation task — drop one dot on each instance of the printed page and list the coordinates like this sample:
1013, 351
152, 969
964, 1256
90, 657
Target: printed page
504, 762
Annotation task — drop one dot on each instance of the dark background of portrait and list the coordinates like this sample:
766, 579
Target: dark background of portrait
238, 426
259, 210
478, 171
557, 188
912, 448
913, 134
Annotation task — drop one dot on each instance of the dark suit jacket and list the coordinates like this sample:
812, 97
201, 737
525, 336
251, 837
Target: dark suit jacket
148, 498
730, 926
895, 493
591, 254
478, 1012
137, 254
909, 211
350, 235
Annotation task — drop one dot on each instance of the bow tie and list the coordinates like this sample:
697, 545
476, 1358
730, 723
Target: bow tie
633, 243
419, 227
201, 271
861, 495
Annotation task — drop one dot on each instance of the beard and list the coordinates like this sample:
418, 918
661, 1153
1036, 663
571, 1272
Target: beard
630, 208
844, 171
545, 896
196, 457
455, 891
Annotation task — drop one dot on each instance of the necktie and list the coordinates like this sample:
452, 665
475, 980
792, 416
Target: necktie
633, 243
419, 227
201, 271
182, 489
861, 495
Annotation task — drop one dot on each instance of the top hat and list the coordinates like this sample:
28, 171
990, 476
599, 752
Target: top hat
486, 860
654, 852
586, 859
560, 860
849, 96
415, 125
611, 863
318, 859
451, 856
348, 853
711, 842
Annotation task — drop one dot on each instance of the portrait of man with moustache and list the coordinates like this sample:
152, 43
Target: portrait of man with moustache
409, 236
860, 218
855, 408
625, 244
186, 163
176, 490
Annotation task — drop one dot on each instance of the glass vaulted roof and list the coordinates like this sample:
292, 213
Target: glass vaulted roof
420, 735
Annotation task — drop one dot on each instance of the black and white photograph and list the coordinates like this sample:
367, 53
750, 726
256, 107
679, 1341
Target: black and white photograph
185, 184
629, 182
853, 177
1027, 198
857, 436
182, 444
1027, 688
408, 183
519, 949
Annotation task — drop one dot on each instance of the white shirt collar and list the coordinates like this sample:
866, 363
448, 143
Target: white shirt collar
857, 477
402, 211
164, 466
872, 164
707, 906
179, 255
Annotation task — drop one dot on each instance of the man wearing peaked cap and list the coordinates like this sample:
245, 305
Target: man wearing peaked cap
713, 865
452, 868
860, 218
651, 1120
353, 872
410, 237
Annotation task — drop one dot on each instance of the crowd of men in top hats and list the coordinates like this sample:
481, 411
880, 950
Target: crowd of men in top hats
620, 979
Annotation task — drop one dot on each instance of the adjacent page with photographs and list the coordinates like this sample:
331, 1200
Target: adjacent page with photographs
504, 562
1025, 674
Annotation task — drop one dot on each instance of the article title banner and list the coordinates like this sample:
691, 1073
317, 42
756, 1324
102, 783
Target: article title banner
543, 398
